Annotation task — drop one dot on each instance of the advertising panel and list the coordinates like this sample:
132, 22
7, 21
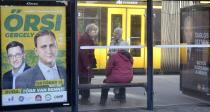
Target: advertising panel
195, 29
33, 54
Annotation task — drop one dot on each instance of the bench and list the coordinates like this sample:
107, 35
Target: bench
112, 85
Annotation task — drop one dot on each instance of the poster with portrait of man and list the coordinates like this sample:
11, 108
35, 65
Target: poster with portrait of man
33, 54
195, 29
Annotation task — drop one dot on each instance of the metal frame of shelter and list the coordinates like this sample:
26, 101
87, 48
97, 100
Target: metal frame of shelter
149, 56
73, 55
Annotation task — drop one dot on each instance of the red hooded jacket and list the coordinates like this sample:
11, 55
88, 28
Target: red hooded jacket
119, 69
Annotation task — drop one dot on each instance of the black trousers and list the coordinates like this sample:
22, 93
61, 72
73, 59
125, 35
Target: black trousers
86, 92
120, 96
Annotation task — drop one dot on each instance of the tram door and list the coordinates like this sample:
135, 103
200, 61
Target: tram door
132, 22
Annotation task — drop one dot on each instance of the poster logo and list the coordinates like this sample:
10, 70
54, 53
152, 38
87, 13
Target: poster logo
11, 99
21, 98
38, 98
48, 97
58, 96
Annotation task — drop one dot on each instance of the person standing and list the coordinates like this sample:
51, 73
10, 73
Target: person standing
16, 56
86, 61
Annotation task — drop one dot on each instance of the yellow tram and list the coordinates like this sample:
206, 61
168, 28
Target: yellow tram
131, 18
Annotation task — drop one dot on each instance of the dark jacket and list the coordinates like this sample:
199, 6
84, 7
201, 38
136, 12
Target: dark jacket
119, 68
86, 56
28, 78
8, 79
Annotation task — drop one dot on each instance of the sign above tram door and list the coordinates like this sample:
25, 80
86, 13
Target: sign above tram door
121, 2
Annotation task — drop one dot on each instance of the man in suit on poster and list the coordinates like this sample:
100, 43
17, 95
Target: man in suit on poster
46, 68
16, 56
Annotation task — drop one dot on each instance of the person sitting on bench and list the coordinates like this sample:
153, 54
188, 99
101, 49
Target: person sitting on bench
118, 70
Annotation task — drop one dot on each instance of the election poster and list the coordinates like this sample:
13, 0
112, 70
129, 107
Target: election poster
195, 29
33, 54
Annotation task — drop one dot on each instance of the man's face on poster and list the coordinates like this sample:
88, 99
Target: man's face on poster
46, 49
188, 30
16, 57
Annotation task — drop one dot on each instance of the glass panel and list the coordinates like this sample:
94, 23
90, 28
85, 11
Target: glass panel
195, 30
108, 17
183, 41
135, 34
157, 26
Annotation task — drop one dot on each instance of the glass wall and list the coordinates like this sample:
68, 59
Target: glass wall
177, 27
119, 48
184, 44
112, 53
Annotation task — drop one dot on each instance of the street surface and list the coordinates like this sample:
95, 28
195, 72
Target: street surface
167, 98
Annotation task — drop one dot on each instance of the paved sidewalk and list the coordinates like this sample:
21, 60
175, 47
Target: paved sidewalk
173, 108
167, 98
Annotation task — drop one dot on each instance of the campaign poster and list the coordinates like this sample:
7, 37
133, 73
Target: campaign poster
33, 70
195, 29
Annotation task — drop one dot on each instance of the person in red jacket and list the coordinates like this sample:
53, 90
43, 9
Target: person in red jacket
119, 69
86, 60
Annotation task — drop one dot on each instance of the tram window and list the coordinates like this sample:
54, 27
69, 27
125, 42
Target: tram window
116, 21
90, 12
103, 28
157, 26
87, 15
135, 34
